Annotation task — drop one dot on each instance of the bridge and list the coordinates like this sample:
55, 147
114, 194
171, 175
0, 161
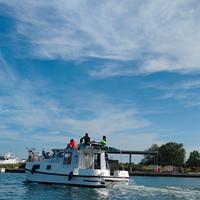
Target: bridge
130, 153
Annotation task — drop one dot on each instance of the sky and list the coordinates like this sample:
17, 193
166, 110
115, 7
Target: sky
127, 69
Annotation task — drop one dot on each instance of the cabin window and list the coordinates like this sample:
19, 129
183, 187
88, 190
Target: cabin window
88, 160
35, 167
85, 160
2, 158
48, 167
67, 158
97, 161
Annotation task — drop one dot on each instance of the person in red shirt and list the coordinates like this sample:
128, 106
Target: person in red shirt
72, 144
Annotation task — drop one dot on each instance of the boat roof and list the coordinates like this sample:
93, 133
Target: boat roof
92, 147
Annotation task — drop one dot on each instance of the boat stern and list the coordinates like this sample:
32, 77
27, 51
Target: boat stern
118, 176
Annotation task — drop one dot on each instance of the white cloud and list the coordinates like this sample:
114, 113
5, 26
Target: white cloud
8, 134
186, 92
108, 119
159, 35
188, 84
28, 112
140, 141
6, 75
104, 118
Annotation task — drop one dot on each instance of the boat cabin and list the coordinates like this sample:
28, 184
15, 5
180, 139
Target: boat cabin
83, 158
86, 166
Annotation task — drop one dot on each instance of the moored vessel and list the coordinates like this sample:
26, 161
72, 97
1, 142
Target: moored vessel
8, 159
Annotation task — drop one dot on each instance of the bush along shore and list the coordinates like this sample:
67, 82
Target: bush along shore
134, 170
154, 170
16, 168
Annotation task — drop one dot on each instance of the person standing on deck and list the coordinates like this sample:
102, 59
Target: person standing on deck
72, 144
86, 139
104, 141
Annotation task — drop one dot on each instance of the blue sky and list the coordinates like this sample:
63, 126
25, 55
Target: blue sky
126, 69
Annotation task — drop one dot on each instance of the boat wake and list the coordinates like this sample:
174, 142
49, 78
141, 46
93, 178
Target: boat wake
134, 191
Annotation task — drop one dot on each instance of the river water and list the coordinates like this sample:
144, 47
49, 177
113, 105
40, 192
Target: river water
14, 186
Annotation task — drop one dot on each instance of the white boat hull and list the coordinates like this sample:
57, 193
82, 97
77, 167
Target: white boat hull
116, 179
119, 176
10, 161
84, 180
67, 179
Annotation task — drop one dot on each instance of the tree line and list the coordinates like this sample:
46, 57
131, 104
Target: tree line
172, 153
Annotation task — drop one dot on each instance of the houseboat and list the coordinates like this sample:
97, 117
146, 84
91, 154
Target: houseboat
86, 165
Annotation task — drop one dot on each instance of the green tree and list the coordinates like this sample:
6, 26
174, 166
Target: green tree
150, 159
194, 159
172, 153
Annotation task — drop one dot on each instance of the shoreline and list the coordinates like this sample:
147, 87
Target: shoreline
133, 173
161, 174
15, 170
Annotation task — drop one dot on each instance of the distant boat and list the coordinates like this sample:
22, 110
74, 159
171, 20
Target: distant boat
84, 166
2, 170
8, 159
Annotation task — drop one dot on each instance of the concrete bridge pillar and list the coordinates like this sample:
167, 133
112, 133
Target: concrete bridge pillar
130, 162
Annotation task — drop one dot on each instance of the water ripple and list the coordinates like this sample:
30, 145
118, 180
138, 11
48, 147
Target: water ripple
14, 186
